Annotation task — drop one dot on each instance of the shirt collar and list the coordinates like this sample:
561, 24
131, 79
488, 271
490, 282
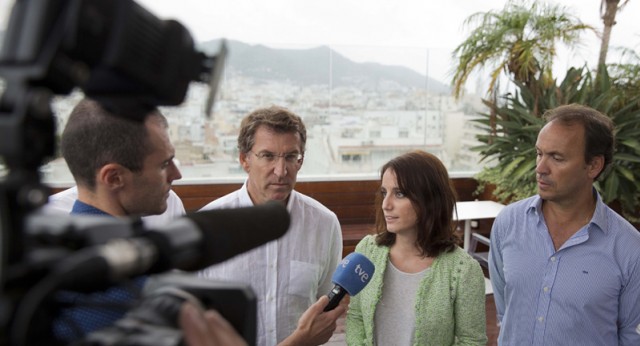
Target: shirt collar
600, 214
86, 209
599, 217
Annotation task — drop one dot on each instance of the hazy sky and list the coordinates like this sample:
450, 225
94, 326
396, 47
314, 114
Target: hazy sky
396, 32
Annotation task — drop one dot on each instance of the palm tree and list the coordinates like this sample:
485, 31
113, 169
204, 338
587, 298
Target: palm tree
608, 11
519, 41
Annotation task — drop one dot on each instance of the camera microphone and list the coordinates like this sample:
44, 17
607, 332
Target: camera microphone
352, 274
189, 243
213, 236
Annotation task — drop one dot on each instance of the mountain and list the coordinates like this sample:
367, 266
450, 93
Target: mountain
311, 66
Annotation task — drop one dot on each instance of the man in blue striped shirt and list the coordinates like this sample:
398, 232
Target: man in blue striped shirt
565, 268
122, 168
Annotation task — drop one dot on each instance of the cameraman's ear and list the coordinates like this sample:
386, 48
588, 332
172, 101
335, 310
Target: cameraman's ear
112, 175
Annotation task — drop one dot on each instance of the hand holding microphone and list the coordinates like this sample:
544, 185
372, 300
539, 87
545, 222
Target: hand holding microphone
352, 274
318, 323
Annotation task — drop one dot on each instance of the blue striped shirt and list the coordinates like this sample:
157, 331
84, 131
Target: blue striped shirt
87, 312
586, 293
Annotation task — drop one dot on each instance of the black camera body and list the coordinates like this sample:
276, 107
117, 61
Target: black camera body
130, 61
154, 321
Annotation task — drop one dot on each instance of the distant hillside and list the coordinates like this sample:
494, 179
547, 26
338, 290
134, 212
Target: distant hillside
311, 66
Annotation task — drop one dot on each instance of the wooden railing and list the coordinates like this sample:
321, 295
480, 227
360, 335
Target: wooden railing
352, 201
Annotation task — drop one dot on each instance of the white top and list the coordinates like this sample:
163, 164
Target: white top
395, 316
287, 274
62, 202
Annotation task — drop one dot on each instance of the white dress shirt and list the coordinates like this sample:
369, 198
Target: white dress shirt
288, 274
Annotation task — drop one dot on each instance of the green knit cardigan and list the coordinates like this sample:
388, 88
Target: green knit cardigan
450, 302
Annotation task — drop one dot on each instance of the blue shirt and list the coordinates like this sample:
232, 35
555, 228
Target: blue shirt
94, 311
586, 293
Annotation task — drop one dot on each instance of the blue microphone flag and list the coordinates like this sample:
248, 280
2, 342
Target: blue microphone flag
352, 274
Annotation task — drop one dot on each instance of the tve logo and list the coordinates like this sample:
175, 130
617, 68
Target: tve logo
355, 270
364, 276
351, 275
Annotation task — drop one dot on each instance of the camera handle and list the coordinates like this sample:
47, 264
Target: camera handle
27, 132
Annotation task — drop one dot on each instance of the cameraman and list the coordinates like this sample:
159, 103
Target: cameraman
122, 168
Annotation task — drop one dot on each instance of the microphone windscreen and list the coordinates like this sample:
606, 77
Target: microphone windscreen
229, 232
353, 273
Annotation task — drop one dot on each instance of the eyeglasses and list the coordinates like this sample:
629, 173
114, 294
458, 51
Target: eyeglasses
269, 157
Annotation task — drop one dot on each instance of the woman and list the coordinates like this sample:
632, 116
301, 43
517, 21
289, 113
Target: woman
433, 290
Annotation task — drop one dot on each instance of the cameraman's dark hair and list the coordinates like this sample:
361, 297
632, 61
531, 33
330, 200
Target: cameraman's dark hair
94, 137
598, 130
277, 119
424, 180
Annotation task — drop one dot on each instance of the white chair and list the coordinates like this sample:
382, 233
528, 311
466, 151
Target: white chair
480, 256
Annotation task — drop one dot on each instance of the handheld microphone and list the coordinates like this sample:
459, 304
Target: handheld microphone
352, 274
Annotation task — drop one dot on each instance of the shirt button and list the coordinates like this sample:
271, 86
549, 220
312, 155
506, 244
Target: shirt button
546, 289
540, 318
553, 259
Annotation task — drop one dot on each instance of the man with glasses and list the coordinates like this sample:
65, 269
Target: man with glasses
290, 273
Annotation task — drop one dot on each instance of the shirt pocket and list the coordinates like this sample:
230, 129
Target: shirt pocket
303, 279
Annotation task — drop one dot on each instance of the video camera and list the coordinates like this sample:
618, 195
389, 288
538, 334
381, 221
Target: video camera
130, 61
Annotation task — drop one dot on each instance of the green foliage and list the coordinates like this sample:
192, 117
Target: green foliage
519, 41
513, 126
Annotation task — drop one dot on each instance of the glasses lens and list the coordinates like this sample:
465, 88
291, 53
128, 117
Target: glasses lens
268, 157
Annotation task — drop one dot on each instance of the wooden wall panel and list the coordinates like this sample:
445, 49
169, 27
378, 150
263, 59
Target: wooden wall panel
353, 195
352, 201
